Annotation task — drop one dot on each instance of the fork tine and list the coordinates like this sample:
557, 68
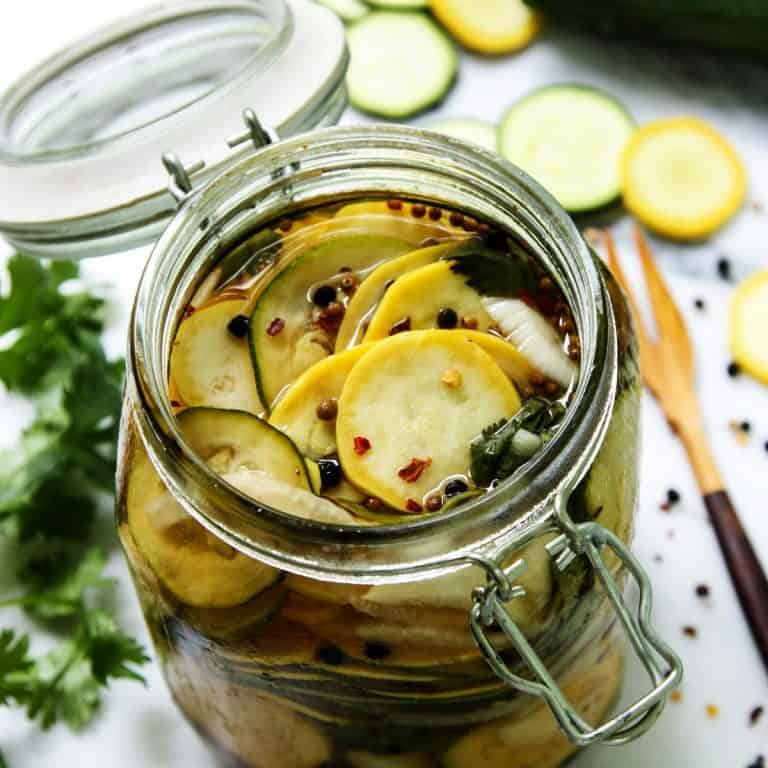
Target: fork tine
672, 331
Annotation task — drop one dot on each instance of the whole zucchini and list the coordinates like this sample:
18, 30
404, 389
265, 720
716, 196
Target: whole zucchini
738, 25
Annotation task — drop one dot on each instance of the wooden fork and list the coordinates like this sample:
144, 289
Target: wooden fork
667, 367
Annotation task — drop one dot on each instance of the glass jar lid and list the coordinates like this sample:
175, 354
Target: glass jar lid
82, 134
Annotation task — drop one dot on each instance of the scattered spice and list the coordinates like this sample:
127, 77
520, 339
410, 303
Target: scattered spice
483, 229
285, 225
451, 378
712, 711
395, 205
238, 326
327, 409
724, 268
330, 473
741, 430
376, 650
447, 318
349, 284
434, 502
456, 219
412, 505
373, 503
330, 318
189, 311
765, 446
455, 487
412, 471
361, 445
755, 715
673, 497
702, 590
676, 697
418, 210
324, 295
470, 323
699, 304
546, 284
400, 326
658, 558
435, 214
734, 369
175, 404
690, 631
469, 225
745, 426
275, 326
330, 655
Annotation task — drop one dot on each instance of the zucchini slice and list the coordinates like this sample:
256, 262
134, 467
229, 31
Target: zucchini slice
414, 301
748, 322
346, 10
570, 138
211, 367
682, 178
488, 26
296, 412
373, 288
396, 408
479, 132
401, 63
280, 357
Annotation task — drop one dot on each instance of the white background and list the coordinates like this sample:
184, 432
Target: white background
139, 727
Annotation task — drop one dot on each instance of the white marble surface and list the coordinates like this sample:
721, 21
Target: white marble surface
139, 727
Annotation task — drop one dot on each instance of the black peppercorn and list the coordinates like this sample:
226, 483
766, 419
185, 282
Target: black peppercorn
330, 473
330, 655
702, 590
447, 318
238, 326
455, 487
724, 268
324, 295
734, 369
673, 496
699, 304
376, 650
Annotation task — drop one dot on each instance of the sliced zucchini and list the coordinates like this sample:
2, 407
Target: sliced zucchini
401, 63
414, 301
479, 132
534, 337
373, 288
198, 569
682, 178
211, 367
570, 138
284, 340
346, 10
417, 397
296, 412
488, 26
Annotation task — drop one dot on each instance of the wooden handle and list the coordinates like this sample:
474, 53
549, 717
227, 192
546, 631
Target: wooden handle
746, 572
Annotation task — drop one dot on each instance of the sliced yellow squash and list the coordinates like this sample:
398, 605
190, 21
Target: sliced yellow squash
371, 290
748, 326
414, 301
488, 26
506, 355
210, 366
409, 409
296, 412
681, 178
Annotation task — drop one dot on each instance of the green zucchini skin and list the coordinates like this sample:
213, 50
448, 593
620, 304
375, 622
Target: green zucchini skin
734, 25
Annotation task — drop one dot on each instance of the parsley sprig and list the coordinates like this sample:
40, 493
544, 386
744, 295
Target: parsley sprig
53, 486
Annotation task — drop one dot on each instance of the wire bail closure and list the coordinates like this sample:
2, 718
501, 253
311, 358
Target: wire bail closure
180, 184
662, 664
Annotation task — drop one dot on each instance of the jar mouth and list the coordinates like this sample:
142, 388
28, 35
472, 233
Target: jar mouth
131, 75
359, 162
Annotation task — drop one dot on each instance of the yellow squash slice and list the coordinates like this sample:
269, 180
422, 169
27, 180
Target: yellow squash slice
409, 409
488, 26
681, 178
415, 300
210, 366
296, 412
506, 355
373, 288
748, 326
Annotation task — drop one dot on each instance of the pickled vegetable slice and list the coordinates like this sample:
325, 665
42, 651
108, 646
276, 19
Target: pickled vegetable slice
488, 26
209, 365
373, 288
507, 356
749, 321
409, 409
682, 178
415, 300
284, 339
296, 413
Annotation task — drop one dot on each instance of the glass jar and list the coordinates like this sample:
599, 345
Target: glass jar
420, 644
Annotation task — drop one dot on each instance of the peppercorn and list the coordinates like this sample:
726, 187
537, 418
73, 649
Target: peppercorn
745, 426
327, 409
400, 326
765, 446
690, 631
724, 268
435, 214
734, 369
395, 205
546, 284
285, 225
447, 318
469, 225
376, 650
755, 715
330, 655
455, 487
324, 295
702, 590
483, 229
373, 504
238, 326
348, 284
456, 219
699, 304
418, 210
673, 496
434, 502
330, 473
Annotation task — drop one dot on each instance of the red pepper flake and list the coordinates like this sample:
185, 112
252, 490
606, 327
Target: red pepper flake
755, 715
412, 505
361, 445
412, 471
175, 404
275, 326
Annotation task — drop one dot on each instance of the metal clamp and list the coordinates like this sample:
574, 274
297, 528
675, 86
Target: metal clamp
662, 664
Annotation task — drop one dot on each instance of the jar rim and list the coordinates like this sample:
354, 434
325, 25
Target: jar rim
369, 161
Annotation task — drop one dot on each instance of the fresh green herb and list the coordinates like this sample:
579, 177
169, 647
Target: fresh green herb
506, 445
494, 273
53, 486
